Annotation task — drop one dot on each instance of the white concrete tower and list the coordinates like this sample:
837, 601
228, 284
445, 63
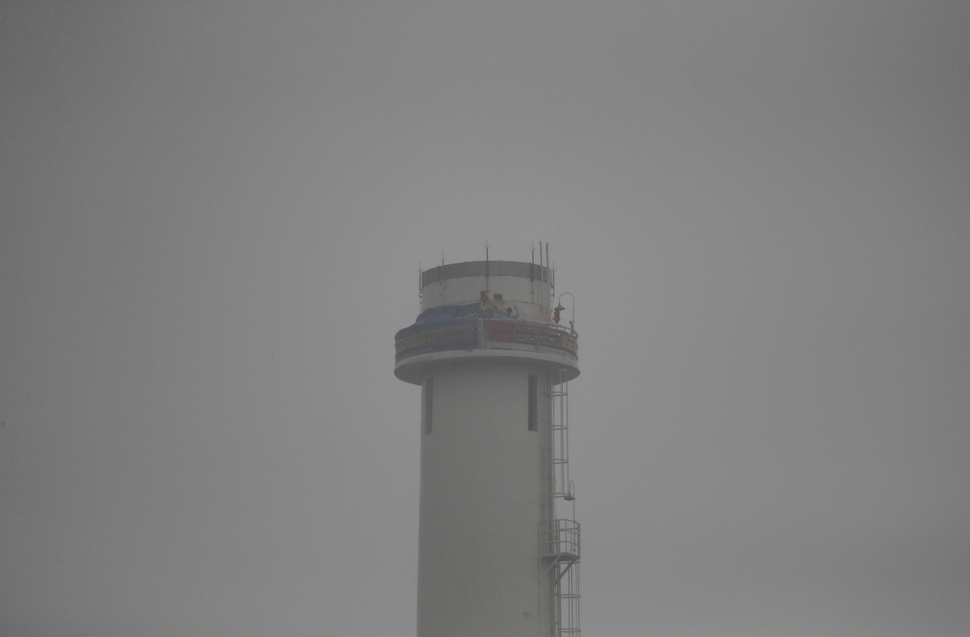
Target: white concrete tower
492, 360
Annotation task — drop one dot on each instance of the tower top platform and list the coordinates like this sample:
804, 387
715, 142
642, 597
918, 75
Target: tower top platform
480, 311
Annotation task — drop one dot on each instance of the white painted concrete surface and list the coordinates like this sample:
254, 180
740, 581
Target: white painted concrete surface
483, 496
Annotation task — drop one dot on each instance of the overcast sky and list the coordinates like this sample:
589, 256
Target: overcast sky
212, 216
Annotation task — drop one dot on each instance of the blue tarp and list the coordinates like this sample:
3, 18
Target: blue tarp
440, 328
443, 314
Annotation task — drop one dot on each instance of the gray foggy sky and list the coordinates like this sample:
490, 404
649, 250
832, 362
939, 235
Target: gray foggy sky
212, 219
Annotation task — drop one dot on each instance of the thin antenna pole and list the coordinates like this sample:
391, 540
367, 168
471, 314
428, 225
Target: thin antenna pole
532, 269
486, 264
550, 271
542, 278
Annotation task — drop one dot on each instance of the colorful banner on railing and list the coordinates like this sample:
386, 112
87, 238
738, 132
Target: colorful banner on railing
442, 335
530, 334
439, 338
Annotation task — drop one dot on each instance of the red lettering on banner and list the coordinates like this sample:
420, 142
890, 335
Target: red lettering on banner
525, 333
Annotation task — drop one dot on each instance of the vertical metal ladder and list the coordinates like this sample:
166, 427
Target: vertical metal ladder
561, 539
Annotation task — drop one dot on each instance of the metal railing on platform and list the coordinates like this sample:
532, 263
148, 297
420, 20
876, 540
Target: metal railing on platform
560, 540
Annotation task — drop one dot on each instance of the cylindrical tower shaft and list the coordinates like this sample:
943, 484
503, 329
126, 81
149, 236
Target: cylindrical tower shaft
484, 496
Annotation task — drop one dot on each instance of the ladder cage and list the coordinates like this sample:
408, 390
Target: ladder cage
567, 613
560, 436
560, 538
560, 547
